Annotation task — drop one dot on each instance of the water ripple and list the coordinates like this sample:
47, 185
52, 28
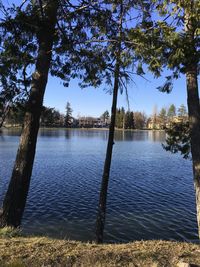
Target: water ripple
151, 193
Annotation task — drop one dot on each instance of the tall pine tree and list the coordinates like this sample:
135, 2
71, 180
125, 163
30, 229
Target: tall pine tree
172, 42
15, 199
50, 37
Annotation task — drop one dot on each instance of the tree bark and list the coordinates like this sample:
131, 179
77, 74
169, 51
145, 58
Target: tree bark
194, 121
106, 172
193, 102
101, 213
15, 198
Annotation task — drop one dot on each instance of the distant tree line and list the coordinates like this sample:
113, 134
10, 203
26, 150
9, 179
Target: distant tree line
130, 119
51, 117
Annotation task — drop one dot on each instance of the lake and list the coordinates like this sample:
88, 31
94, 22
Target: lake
151, 194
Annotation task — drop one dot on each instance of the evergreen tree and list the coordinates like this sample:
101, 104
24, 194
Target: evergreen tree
39, 35
120, 118
155, 117
123, 114
171, 111
178, 138
105, 116
175, 45
68, 116
163, 117
163, 113
139, 120
129, 120
123, 57
182, 111
50, 117
100, 222
15, 198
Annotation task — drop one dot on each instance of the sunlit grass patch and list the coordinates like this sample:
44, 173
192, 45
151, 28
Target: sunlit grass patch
9, 232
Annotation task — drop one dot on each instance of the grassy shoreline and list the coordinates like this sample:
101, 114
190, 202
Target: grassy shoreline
43, 251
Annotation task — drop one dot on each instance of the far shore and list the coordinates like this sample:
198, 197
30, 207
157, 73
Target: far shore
82, 128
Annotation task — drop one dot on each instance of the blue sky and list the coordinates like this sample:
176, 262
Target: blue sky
143, 95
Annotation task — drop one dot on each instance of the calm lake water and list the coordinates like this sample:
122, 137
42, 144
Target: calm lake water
151, 194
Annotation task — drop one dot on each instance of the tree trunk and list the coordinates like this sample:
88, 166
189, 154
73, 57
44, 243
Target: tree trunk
194, 121
15, 198
193, 102
100, 222
105, 178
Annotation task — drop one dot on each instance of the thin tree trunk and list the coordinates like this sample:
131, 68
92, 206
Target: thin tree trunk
15, 199
100, 222
106, 172
193, 106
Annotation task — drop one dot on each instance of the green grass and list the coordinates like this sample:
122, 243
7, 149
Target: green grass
9, 232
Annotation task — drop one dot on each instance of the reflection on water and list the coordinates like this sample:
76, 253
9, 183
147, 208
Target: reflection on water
152, 136
151, 193
10, 132
120, 135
